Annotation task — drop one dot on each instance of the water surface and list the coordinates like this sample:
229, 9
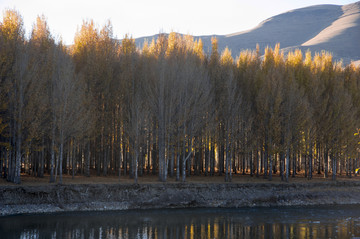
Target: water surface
280, 222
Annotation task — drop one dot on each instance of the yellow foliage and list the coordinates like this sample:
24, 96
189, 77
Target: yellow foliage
278, 55
128, 45
86, 37
173, 40
295, 58
12, 25
226, 57
41, 35
214, 44
198, 49
308, 59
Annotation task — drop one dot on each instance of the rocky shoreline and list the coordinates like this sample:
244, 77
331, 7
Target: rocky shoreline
100, 197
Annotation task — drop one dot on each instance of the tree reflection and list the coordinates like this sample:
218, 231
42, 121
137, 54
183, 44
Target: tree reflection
341, 222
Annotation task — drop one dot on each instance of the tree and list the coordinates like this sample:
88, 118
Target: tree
41, 47
269, 102
295, 110
14, 73
217, 91
248, 79
73, 118
87, 68
231, 108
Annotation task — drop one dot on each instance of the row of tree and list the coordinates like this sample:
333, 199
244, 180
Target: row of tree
107, 107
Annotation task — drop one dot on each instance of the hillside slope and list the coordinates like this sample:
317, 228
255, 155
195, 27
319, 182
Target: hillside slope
289, 29
322, 27
342, 37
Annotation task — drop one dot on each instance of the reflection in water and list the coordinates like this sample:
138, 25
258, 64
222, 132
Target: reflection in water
305, 222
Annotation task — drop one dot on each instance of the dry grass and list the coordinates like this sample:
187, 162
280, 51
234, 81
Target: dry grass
237, 178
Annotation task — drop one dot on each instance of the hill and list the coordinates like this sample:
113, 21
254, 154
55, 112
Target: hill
332, 28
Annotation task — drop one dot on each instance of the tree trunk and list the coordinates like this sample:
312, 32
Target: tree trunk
350, 167
172, 162
305, 165
121, 154
10, 163
334, 162
257, 163
262, 159
310, 161
162, 163
148, 152
287, 165
227, 151
270, 166
266, 161
106, 159
294, 165
212, 158
183, 169
52, 163
251, 159
243, 162
282, 165
17, 178
319, 159
326, 161
73, 159
185, 159
6, 158
125, 157
154, 153
68, 159
61, 161
231, 159
207, 156
135, 164
221, 159
11, 156
178, 167
227, 164
87, 160
186, 145
141, 162
56, 165
2, 159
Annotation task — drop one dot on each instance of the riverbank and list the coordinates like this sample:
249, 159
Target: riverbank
23, 199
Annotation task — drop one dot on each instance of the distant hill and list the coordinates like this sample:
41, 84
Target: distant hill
332, 28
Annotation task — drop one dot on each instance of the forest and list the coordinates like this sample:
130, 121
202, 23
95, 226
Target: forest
107, 107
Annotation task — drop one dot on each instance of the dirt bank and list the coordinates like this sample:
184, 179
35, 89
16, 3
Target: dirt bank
98, 197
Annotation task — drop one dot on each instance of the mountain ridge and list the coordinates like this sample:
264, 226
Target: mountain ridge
333, 28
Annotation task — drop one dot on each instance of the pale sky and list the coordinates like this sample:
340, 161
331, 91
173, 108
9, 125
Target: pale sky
148, 17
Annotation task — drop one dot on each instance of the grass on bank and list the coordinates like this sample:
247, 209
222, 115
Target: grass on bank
28, 180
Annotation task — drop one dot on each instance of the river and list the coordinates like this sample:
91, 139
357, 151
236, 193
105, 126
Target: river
279, 222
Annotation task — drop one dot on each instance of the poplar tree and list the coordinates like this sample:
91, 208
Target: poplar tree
296, 111
269, 102
87, 68
42, 47
15, 59
232, 101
